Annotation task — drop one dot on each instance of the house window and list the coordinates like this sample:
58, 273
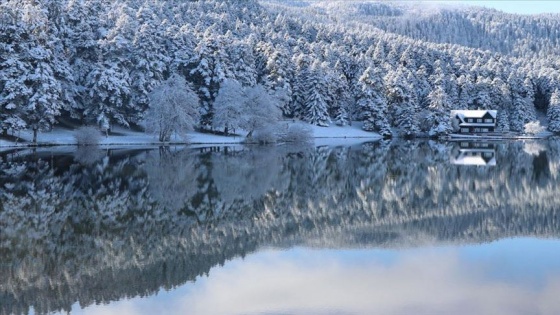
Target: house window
484, 129
488, 154
476, 129
479, 120
488, 120
464, 129
469, 120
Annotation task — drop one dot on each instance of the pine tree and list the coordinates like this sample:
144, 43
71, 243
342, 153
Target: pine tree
402, 102
44, 102
553, 113
316, 100
206, 71
522, 110
439, 105
108, 88
373, 103
299, 84
14, 92
150, 60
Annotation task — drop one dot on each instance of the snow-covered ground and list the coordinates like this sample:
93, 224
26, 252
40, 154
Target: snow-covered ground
334, 135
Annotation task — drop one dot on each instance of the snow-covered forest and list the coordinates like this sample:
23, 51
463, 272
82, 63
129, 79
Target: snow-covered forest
399, 67
71, 224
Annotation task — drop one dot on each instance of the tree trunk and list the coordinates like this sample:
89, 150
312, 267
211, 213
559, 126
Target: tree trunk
226, 130
35, 129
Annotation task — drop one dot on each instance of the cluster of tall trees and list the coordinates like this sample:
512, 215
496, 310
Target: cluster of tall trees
99, 61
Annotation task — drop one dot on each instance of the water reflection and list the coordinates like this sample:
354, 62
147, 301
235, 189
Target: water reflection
131, 223
477, 153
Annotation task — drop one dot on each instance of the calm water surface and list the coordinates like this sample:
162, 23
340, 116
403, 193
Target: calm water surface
377, 228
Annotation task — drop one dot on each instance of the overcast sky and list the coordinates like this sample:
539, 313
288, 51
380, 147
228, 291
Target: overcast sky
520, 7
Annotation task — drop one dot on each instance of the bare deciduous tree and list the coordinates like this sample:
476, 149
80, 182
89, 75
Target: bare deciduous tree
173, 108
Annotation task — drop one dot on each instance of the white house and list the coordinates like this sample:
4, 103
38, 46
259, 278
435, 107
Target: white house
474, 121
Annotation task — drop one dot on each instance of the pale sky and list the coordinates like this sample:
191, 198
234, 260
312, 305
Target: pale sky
516, 276
519, 7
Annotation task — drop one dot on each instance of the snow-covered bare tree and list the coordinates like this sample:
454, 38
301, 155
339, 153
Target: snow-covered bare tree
228, 106
173, 109
260, 109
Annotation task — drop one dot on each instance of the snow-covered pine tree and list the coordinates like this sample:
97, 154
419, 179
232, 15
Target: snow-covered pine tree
243, 61
482, 94
342, 100
44, 102
299, 86
85, 25
316, 97
439, 105
14, 92
150, 57
206, 71
402, 103
372, 102
108, 88
553, 113
522, 110
278, 70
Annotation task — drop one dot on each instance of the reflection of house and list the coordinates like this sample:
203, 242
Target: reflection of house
474, 153
474, 121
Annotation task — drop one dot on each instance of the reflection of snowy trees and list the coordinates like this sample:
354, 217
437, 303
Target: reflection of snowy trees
146, 220
245, 175
171, 178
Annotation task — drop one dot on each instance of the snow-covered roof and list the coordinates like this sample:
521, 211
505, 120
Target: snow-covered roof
464, 158
474, 113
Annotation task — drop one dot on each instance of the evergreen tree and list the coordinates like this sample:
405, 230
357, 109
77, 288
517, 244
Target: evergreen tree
316, 98
44, 102
108, 88
373, 103
440, 112
402, 102
553, 113
14, 92
522, 109
206, 70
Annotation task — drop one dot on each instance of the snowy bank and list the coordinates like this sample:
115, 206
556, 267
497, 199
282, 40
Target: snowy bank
336, 135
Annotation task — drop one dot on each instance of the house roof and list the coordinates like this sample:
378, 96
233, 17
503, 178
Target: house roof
464, 159
462, 114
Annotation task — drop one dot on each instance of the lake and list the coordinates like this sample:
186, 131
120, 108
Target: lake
416, 227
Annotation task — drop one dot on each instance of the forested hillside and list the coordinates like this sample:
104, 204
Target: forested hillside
399, 68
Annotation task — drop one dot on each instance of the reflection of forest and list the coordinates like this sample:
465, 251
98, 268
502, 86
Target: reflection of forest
125, 224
